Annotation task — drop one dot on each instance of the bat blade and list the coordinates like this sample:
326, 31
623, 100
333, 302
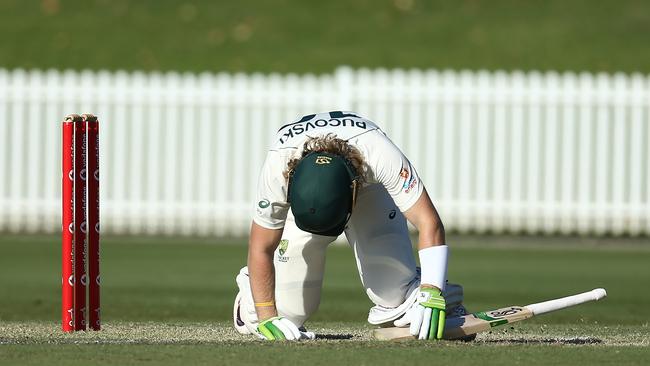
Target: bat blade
465, 325
485, 320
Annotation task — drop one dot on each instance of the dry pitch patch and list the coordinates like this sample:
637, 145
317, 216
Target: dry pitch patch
34, 333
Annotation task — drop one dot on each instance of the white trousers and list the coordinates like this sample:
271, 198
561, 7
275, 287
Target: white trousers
378, 234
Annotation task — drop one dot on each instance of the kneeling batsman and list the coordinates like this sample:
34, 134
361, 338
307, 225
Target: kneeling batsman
309, 186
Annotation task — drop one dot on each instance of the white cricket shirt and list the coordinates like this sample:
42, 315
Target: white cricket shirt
385, 162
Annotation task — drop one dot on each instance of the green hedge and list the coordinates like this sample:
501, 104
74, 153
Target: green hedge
316, 36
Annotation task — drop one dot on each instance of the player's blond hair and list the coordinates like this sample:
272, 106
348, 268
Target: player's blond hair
333, 145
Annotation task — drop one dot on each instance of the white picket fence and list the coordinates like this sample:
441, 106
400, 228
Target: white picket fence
180, 153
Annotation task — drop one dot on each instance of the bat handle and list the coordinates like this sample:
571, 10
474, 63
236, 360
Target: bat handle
565, 302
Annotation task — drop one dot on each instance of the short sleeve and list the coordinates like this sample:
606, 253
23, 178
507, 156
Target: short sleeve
395, 172
271, 206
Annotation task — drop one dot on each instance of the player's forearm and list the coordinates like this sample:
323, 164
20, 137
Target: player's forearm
261, 246
262, 280
432, 248
425, 218
431, 234
433, 257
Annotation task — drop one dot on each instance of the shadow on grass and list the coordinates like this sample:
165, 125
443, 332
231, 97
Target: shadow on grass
575, 341
334, 336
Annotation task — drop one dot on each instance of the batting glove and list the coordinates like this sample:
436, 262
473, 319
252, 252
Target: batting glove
279, 328
428, 314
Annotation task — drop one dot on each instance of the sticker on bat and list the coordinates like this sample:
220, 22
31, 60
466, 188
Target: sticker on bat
496, 317
504, 312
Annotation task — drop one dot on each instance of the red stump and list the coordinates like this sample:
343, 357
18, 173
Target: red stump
80, 223
67, 226
92, 145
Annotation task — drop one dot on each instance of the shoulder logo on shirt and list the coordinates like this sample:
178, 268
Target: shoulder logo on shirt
264, 203
409, 180
408, 186
320, 160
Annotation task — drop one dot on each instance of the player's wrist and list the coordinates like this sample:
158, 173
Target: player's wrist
266, 313
433, 263
430, 287
264, 321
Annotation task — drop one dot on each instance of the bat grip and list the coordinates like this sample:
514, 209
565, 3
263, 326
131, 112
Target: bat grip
565, 302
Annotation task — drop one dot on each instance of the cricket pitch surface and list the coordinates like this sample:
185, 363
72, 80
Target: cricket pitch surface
35, 333
203, 343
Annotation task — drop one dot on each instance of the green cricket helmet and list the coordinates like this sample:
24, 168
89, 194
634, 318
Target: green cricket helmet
322, 193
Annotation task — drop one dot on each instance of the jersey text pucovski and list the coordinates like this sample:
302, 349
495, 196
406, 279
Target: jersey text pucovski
301, 127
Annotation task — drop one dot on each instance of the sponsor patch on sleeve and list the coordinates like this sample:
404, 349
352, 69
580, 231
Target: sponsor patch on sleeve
409, 180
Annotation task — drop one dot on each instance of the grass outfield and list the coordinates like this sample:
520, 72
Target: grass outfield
168, 301
309, 36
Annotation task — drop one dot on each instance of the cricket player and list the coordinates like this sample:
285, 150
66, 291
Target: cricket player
332, 173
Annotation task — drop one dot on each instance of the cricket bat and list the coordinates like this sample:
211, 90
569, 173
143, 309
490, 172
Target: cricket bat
485, 320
